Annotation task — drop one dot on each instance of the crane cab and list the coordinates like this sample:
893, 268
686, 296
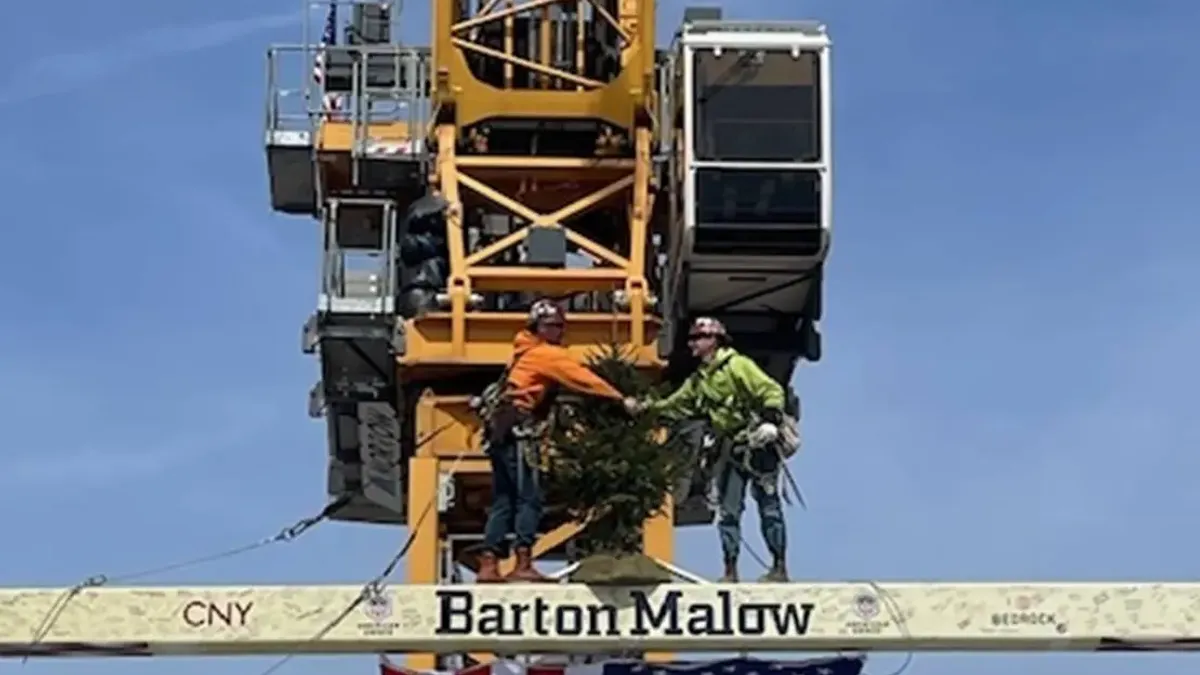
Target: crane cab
751, 170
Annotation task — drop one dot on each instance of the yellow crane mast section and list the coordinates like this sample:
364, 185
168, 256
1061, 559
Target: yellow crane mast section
573, 618
625, 106
526, 136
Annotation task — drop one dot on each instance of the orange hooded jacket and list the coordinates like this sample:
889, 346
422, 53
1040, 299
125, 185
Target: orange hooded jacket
538, 363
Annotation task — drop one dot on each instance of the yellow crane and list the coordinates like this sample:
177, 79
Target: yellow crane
547, 147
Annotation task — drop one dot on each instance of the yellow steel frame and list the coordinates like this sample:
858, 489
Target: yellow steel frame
473, 336
337, 135
455, 86
486, 339
449, 437
448, 431
460, 338
448, 434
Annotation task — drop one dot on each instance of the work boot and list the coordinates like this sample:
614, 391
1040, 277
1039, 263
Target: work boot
524, 571
777, 574
731, 573
489, 569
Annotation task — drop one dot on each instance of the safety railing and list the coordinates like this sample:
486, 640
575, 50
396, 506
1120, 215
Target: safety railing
359, 261
293, 100
382, 91
390, 104
806, 27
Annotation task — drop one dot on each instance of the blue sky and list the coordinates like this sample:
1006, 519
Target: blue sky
1009, 336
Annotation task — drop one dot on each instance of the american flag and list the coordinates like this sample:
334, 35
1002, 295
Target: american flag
841, 665
328, 39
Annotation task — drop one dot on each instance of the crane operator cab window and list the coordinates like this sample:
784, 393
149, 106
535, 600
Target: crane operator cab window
757, 147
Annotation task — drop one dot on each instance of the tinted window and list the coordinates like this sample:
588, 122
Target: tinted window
758, 197
757, 106
760, 212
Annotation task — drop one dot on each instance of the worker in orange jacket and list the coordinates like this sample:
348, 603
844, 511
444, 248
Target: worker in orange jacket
540, 365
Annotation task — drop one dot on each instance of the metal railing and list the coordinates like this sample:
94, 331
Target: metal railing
360, 277
364, 85
293, 101
389, 85
803, 27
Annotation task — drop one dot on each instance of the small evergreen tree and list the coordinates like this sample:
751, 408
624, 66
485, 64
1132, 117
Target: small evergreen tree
612, 471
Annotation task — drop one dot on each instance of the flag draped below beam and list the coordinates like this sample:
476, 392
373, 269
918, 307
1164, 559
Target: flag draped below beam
842, 665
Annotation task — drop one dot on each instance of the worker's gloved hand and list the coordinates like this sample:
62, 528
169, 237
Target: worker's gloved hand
763, 434
634, 406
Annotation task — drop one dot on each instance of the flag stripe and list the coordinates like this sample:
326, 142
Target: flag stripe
328, 39
842, 665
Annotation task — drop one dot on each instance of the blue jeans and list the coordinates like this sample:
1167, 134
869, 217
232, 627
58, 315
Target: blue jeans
516, 498
732, 479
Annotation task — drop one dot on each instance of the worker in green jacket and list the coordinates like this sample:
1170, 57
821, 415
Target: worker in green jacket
748, 432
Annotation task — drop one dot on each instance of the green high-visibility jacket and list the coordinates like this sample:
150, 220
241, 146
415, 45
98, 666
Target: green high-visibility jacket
710, 391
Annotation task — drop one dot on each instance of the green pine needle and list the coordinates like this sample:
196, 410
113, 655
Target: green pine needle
610, 467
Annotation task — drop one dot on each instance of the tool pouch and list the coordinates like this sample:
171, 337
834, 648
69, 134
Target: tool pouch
789, 439
502, 422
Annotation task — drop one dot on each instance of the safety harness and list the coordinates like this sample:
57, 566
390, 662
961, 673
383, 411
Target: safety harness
502, 418
734, 449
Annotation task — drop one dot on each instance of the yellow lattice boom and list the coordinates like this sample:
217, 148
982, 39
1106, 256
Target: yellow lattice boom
531, 151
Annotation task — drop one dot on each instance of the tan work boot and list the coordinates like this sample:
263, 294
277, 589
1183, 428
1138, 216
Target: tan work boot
777, 574
489, 569
524, 570
731, 573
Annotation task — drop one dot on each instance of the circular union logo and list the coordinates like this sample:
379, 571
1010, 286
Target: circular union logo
378, 607
866, 606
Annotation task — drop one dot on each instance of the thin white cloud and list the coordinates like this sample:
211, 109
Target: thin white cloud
59, 73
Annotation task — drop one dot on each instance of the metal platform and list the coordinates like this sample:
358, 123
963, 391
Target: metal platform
292, 172
359, 132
